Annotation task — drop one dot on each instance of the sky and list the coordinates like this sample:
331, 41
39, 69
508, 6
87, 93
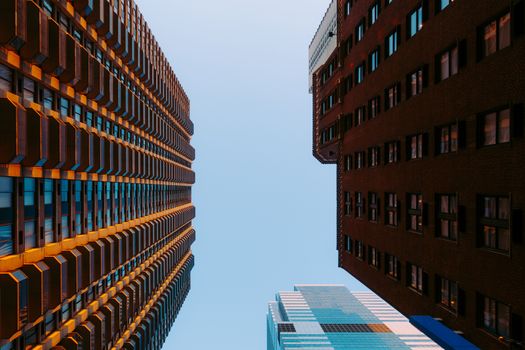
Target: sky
266, 208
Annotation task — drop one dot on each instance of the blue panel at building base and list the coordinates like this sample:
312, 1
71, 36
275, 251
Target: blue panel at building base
441, 334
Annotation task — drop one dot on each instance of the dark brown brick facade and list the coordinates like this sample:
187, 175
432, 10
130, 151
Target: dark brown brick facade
489, 275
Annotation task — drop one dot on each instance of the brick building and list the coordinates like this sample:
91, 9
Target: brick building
421, 108
95, 178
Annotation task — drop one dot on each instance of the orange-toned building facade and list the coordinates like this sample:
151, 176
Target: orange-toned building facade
421, 109
95, 178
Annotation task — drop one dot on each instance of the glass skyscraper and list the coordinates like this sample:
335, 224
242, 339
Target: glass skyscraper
330, 317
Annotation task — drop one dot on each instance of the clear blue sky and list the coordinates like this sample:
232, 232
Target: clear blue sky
265, 207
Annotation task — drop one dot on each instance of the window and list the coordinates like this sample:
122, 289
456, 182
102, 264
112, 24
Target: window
416, 81
495, 222
415, 21
392, 152
416, 146
6, 216
50, 323
374, 107
360, 31
64, 194
77, 113
392, 96
448, 63
328, 135
447, 139
346, 122
373, 60
496, 36
373, 12
109, 205
359, 205
359, 160
359, 250
392, 43
495, 127
6, 78
348, 162
442, 4
374, 257
359, 115
90, 212
415, 278
448, 293
391, 210
348, 204
495, 316
347, 46
348, 244
30, 213
89, 118
373, 207
29, 90
359, 73
121, 205
347, 84
78, 207
49, 210
329, 71
415, 212
348, 7
393, 266
64, 106
100, 215
48, 99
48, 7
447, 205
373, 156
388, 2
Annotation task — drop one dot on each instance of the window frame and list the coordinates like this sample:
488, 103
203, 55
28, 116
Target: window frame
416, 212
451, 146
348, 163
359, 73
359, 160
420, 147
374, 258
451, 217
392, 96
374, 59
391, 198
392, 154
418, 285
374, 156
373, 207
373, 12
482, 42
447, 292
481, 121
374, 107
418, 12
420, 81
360, 30
452, 52
496, 305
359, 250
392, 266
497, 223
392, 38
359, 205
347, 201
